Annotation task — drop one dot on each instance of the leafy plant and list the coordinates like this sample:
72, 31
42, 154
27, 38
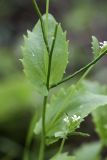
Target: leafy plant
45, 58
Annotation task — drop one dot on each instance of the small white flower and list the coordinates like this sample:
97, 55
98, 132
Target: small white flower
66, 120
75, 118
103, 44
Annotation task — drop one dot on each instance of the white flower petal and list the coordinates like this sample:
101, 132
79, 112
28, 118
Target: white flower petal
103, 44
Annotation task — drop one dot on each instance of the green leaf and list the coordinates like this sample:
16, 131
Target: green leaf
100, 120
88, 151
95, 47
35, 56
94, 87
63, 156
100, 114
75, 100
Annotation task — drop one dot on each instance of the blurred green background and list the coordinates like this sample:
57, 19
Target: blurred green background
18, 100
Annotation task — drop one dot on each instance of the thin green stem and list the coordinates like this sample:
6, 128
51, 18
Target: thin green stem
62, 145
50, 55
85, 74
80, 70
50, 52
42, 146
47, 11
29, 138
80, 134
42, 25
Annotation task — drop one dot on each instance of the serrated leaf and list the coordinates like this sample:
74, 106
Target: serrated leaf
83, 153
95, 47
75, 100
35, 56
63, 156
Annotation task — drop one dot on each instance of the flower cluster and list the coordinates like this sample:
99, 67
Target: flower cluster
103, 44
74, 118
66, 119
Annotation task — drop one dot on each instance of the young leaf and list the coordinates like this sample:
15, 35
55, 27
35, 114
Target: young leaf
35, 56
75, 101
88, 152
63, 156
95, 47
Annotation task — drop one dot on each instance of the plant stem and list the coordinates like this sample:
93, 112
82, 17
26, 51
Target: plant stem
50, 55
47, 11
80, 134
42, 146
42, 25
80, 70
29, 138
85, 74
62, 145
45, 36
